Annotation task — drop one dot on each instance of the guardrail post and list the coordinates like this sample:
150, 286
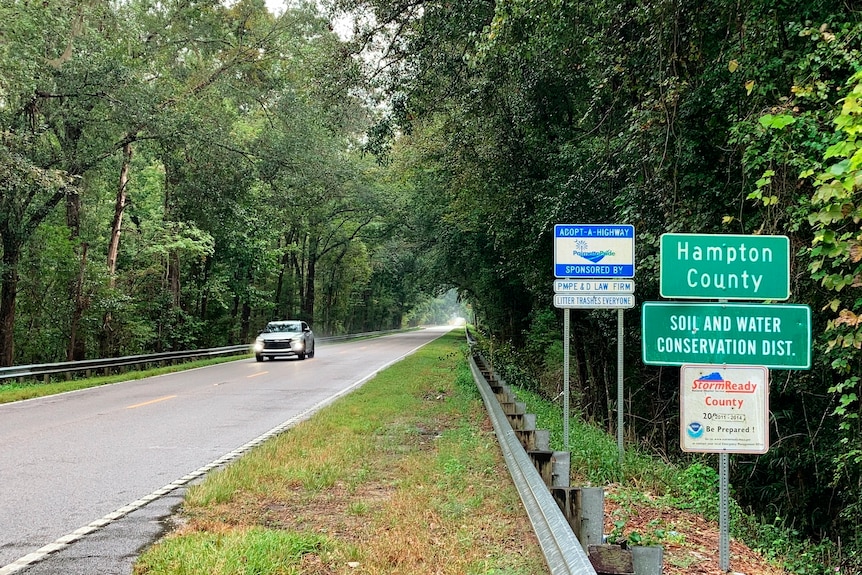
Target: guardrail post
647, 559
590, 503
560, 469
584, 509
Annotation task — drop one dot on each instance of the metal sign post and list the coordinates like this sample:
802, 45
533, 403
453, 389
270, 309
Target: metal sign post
566, 331
724, 511
620, 395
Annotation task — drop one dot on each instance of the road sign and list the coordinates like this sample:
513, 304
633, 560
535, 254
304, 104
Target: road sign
719, 266
724, 409
594, 251
594, 286
771, 335
594, 301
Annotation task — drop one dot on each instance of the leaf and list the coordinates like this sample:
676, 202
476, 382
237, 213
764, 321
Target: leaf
749, 86
733, 65
776, 122
840, 168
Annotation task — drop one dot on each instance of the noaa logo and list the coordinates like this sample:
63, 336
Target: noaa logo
694, 429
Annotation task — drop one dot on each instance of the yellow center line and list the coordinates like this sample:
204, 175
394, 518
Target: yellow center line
151, 401
257, 374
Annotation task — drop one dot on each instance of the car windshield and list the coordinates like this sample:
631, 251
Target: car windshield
281, 327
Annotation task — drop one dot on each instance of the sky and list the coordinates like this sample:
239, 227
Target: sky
343, 26
275, 6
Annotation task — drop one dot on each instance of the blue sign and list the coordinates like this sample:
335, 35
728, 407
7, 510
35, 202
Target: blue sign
594, 251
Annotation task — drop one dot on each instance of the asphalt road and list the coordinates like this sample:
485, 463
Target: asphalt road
89, 478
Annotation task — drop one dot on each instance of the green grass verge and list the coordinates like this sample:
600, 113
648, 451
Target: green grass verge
403, 475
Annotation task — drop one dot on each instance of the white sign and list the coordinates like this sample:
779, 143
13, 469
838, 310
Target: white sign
594, 286
724, 409
594, 251
594, 301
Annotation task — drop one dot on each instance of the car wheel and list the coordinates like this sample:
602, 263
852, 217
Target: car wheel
311, 354
258, 357
300, 355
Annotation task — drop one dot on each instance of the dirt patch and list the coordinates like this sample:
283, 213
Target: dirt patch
690, 543
338, 512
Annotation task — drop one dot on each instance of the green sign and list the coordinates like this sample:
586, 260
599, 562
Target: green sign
717, 266
772, 335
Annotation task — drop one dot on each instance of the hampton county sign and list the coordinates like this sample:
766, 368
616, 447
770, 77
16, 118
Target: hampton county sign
723, 266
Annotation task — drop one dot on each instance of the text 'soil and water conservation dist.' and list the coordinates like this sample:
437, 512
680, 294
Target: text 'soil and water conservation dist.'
724, 349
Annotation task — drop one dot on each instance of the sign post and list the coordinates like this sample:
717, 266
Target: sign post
594, 262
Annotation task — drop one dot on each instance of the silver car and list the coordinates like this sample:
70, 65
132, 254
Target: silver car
284, 339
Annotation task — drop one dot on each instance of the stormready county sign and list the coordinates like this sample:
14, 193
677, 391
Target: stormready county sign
594, 251
724, 409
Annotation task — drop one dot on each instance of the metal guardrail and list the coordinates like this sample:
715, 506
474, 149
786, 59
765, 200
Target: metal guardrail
44, 370
563, 552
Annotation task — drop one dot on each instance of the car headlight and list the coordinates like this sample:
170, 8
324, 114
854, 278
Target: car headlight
297, 344
258, 345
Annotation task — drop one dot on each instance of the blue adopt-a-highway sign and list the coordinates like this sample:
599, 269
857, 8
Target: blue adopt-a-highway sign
594, 251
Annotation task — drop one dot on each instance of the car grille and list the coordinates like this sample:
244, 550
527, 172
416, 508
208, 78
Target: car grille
276, 344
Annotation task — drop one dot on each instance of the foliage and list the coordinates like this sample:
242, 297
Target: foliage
251, 191
836, 252
245, 194
508, 117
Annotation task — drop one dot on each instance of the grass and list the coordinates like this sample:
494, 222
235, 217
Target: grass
404, 475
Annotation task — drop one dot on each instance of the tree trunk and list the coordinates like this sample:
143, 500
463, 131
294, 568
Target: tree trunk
114, 245
205, 289
174, 278
8, 293
279, 287
245, 315
119, 208
77, 349
307, 307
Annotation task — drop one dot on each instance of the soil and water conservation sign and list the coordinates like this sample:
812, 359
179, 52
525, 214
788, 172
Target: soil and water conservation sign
724, 409
769, 335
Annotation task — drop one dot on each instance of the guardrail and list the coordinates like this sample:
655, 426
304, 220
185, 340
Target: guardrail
563, 551
45, 370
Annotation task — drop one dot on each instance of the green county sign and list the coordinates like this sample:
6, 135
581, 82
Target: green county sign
771, 335
719, 266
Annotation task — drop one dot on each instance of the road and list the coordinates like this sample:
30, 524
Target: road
88, 477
